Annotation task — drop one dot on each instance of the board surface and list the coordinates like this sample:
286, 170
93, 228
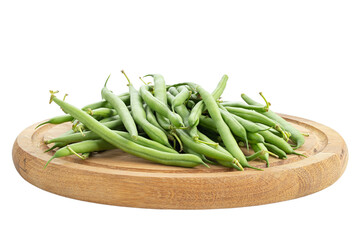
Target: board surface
117, 178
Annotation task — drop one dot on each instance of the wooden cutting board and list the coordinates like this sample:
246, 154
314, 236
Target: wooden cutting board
117, 178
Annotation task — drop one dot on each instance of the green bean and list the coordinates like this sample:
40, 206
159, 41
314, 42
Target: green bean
220, 157
207, 122
257, 118
102, 104
97, 114
109, 119
114, 124
235, 127
77, 137
273, 131
160, 94
210, 133
56, 145
180, 98
202, 156
256, 155
261, 147
121, 109
295, 135
159, 87
173, 91
214, 144
81, 147
279, 142
152, 119
139, 115
248, 125
57, 120
159, 107
185, 160
181, 109
184, 113
190, 104
255, 137
222, 128
200, 106
125, 97
277, 151
244, 105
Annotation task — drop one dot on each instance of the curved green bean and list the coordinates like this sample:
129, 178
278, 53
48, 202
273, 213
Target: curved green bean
277, 151
200, 106
181, 97
121, 109
261, 147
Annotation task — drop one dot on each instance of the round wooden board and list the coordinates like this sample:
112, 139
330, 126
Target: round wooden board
117, 178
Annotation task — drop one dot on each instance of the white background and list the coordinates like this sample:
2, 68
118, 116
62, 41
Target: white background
304, 55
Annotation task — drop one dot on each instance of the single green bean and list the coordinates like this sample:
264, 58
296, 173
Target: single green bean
277, 151
190, 104
256, 155
261, 147
180, 98
235, 127
57, 120
248, 125
181, 109
109, 119
246, 106
121, 109
173, 91
81, 147
125, 97
200, 106
202, 156
255, 137
214, 144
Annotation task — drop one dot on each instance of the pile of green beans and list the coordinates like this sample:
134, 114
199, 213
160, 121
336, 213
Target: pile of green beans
179, 125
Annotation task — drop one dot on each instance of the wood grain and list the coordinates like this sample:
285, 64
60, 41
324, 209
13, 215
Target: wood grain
117, 178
